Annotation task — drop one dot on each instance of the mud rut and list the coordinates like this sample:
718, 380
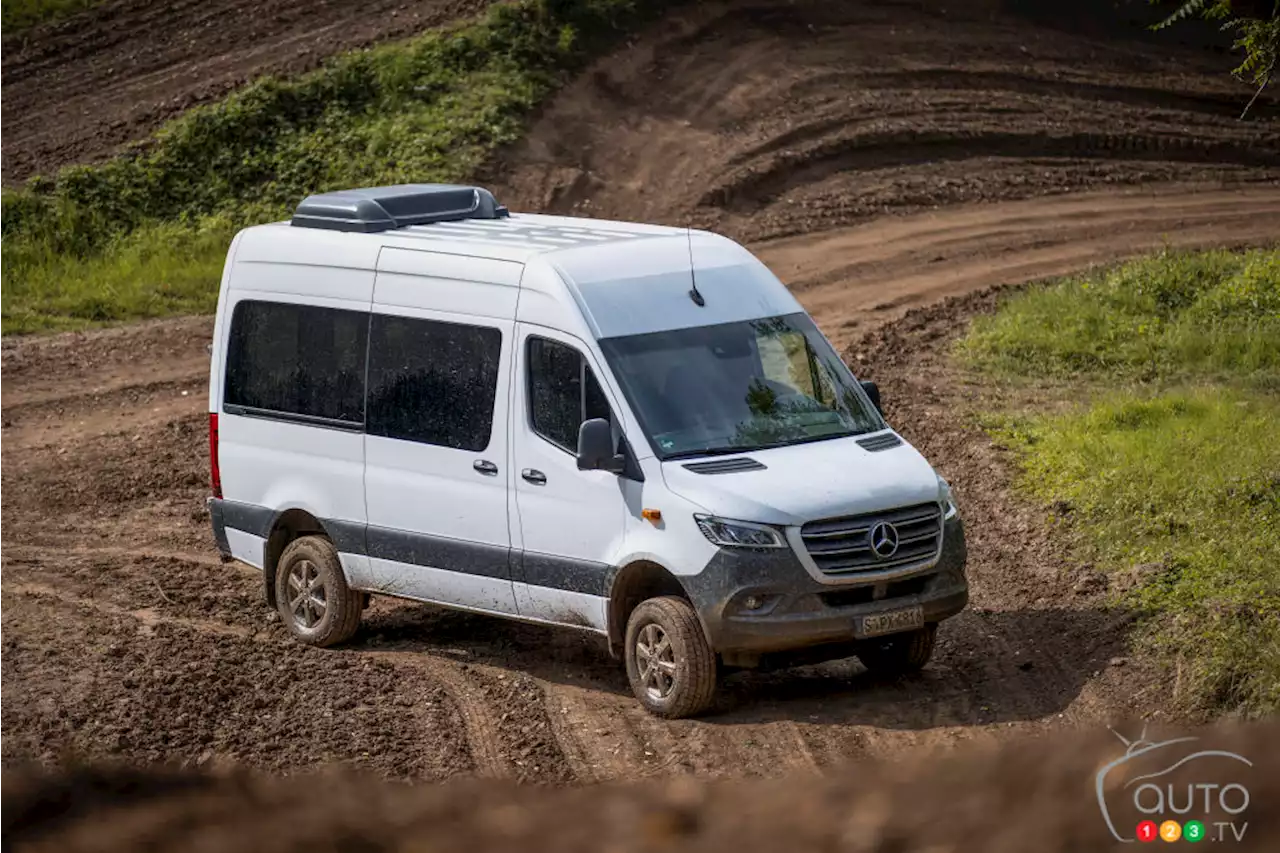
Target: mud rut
794, 127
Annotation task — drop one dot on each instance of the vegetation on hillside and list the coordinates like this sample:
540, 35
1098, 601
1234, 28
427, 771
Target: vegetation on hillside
1164, 469
1256, 24
1167, 317
18, 15
143, 234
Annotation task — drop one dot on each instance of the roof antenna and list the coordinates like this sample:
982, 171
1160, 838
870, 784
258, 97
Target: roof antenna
694, 294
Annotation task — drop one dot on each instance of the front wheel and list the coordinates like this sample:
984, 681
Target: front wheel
671, 667
898, 654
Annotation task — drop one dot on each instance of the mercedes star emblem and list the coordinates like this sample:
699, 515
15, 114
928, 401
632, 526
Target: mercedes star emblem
884, 540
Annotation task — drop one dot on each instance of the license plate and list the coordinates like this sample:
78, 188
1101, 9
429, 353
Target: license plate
890, 622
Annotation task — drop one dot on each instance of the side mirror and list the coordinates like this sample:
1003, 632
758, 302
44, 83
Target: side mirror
873, 391
596, 448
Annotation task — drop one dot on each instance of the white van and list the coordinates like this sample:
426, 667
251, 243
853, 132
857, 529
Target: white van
625, 429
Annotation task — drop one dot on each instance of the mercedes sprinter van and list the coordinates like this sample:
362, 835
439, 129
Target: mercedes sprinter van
625, 429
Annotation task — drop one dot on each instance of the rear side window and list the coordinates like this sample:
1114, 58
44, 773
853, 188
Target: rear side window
432, 382
297, 360
563, 392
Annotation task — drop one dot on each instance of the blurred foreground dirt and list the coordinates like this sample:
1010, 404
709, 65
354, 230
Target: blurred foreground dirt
1025, 794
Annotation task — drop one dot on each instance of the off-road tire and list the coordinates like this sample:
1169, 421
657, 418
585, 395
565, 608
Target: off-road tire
694, 683
898, 654
309, 556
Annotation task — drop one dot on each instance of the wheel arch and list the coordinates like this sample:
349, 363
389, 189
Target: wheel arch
636, 581
288, 525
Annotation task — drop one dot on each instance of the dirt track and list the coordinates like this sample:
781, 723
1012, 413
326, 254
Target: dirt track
125, 636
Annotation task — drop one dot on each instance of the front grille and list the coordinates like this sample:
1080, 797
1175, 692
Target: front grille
842, 546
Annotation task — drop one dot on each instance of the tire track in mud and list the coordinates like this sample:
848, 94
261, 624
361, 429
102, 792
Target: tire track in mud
480, 726
912, 145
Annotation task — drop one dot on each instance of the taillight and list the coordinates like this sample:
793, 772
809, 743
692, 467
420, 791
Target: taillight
215, 474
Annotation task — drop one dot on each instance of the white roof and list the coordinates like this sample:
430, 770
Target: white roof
625, 277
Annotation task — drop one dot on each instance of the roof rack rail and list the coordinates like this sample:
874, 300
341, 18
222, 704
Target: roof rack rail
373, 209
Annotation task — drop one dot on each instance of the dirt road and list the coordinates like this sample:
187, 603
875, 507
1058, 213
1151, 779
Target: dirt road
124, 635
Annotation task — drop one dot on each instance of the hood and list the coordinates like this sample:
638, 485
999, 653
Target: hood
805, 482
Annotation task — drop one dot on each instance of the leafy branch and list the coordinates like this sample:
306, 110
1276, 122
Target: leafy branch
1257, 27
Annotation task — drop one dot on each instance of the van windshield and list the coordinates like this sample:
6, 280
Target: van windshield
739, 386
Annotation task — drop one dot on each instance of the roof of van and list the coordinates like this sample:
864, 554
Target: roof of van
515, 238
625, 277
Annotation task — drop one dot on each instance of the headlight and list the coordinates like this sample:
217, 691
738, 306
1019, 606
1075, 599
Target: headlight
946, 499
737, 534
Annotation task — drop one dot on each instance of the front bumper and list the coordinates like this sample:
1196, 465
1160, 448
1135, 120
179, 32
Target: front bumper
801, 612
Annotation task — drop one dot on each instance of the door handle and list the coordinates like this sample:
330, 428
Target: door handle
533, 475
484, 466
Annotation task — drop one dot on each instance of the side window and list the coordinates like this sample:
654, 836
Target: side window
298, 360
563, 392
432, 382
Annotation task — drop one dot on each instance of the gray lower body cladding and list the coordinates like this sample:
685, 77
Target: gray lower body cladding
801, 612
217, 519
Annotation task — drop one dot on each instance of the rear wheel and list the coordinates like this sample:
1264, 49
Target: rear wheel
898, 654
671, 667
312, 595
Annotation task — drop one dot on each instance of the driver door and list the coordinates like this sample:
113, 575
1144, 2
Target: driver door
570, 523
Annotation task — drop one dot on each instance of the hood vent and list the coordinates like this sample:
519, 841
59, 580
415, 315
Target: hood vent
725, 466
879, 442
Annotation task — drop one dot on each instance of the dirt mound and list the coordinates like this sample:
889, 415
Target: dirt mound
1026, 795
768, 119
75, 90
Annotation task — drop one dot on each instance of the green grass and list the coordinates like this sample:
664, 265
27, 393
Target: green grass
18, 15
131, 237
1164, 469
1173, 315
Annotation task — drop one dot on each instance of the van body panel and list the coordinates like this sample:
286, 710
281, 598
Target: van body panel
221, 326
437, 523
280, 243
643, 285
806, 482
447, 283
269, 461
246, 547
572, 522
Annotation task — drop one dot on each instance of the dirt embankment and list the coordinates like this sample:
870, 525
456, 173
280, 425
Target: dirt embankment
77, 89
770, 119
